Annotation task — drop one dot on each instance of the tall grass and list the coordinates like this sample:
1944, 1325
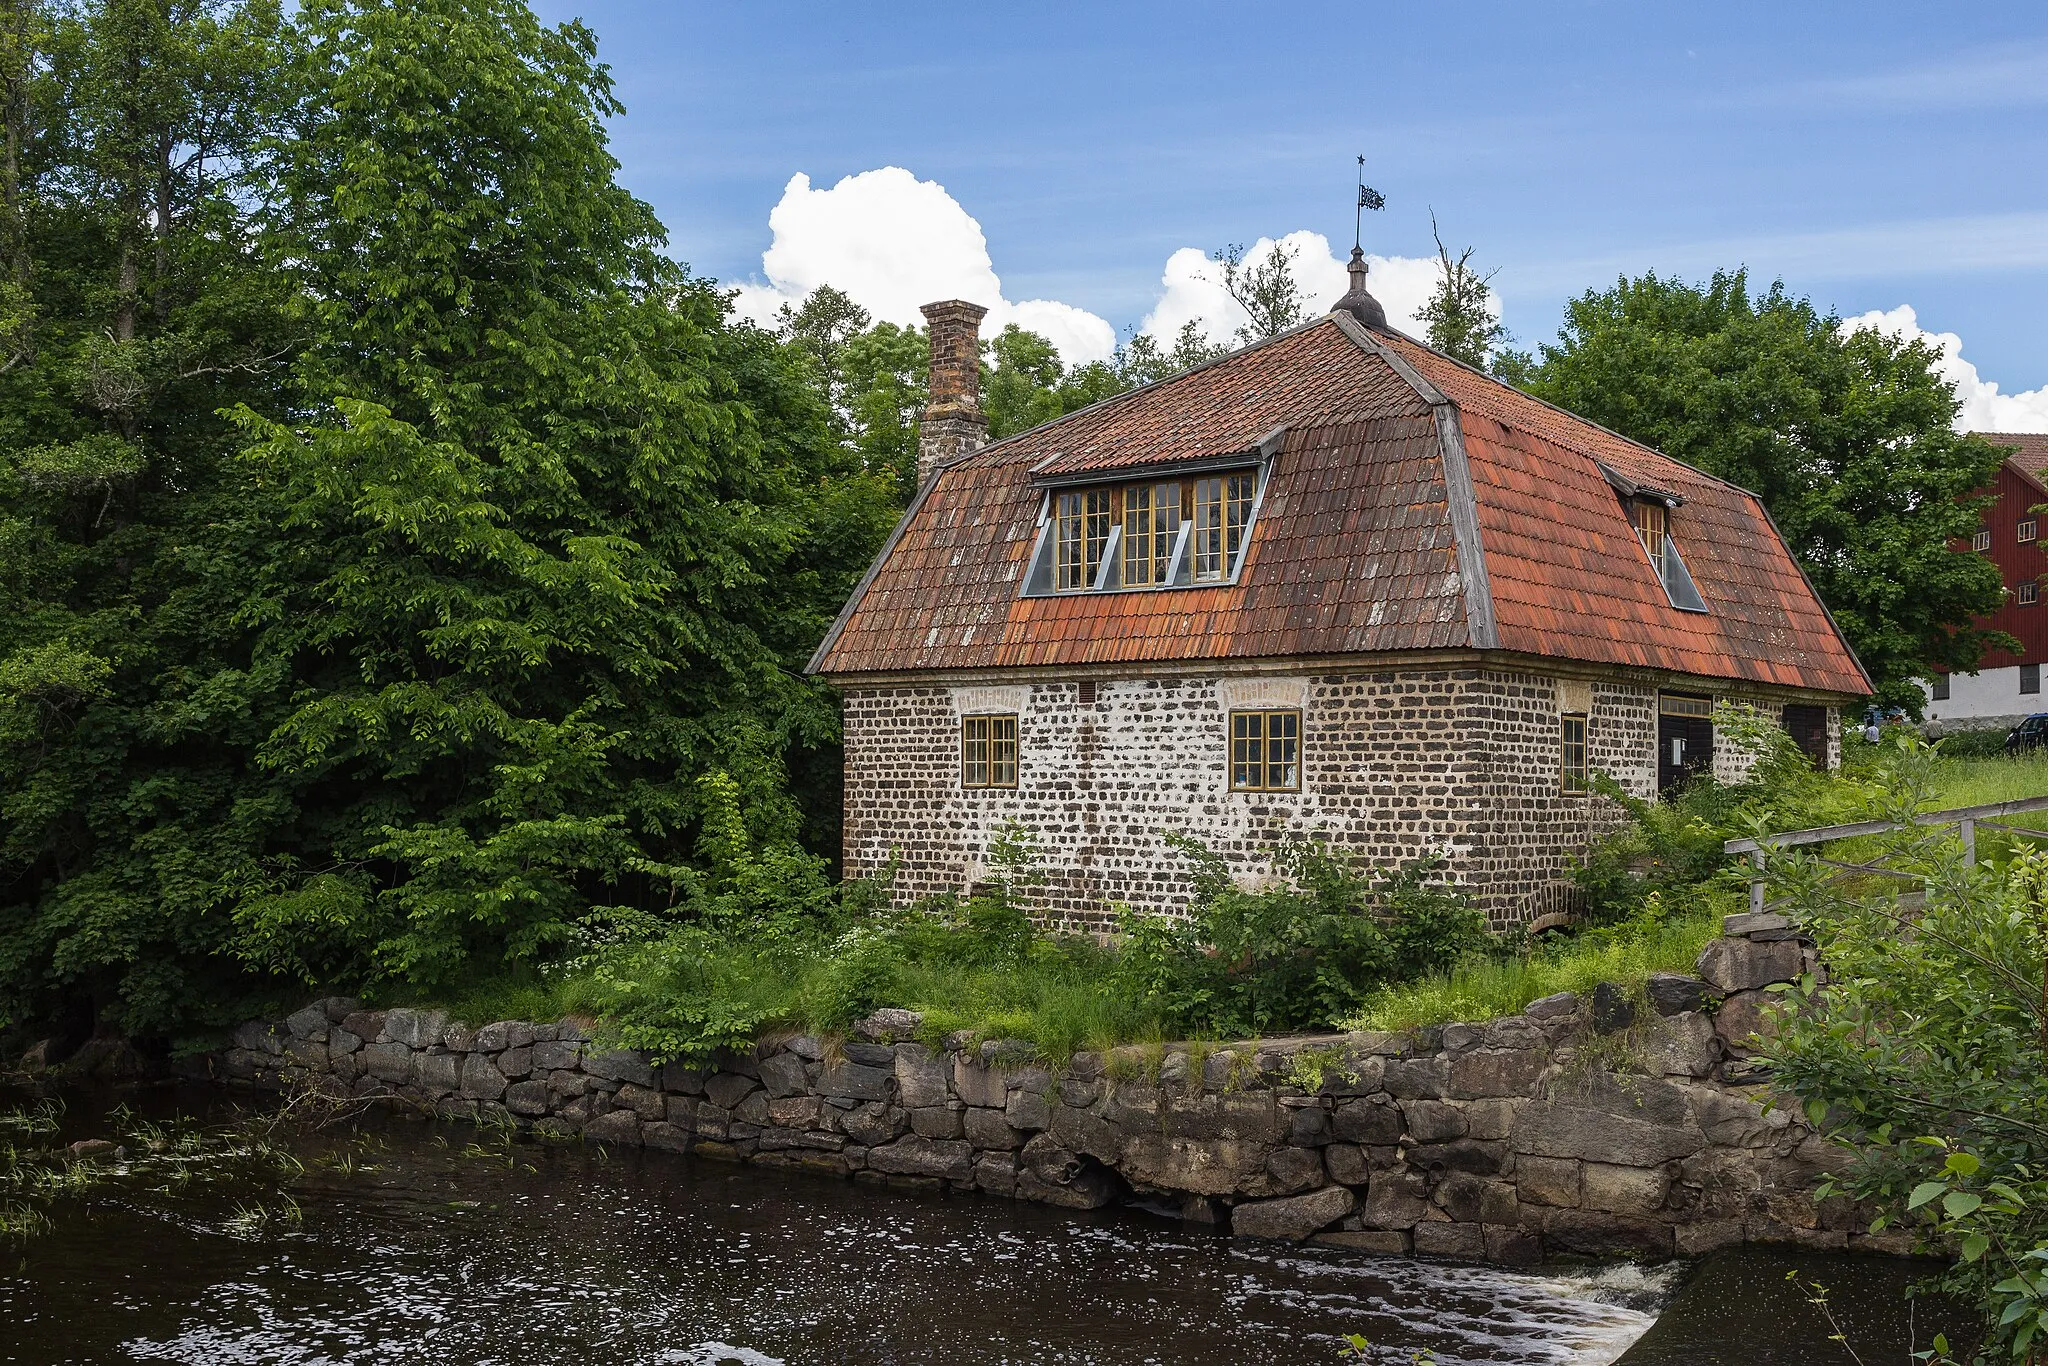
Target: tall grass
1485, 989
1979, 782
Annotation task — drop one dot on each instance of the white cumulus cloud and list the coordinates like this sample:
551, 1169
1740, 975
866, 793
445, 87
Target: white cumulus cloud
1191, 286
1984, 408
893, 242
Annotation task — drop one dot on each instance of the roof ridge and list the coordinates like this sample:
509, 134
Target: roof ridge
1173, 378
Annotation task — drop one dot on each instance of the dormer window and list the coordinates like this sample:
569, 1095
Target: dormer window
1649, 511
1150, 534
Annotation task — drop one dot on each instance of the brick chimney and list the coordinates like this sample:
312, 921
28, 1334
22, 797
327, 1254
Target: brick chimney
953, 423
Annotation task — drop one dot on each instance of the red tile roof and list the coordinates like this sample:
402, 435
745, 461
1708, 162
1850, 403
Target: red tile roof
2029, 449
1356, 549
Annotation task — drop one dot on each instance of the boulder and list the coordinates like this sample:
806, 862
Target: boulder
1548, 1180
874, 1123
310, 1023
1456, 1240
389, 1062
978, 1085
366, 1025
1732, 965
1433, 1121
1293, 1217
937, 1121
915, 1155
1290, 1171
855, 1081
1624, 1190
1203, 1166
526, 1097
1347, 1164
622, 1065
1744, 1017
515, 1062
480, 1079
783, 1075
1595, 1234
1491, 1072
643, 1101
620, 1127
868, 1054
1683, 1045
1372, 1120
1673, 993
669, 1138
987, 1129
435, 1073
1028, 1111
1613, 1011
920, 1078
415, 1028
550, 1055
889, 1025
726, 1090
341, 1043
1556, 1007
1396, 1199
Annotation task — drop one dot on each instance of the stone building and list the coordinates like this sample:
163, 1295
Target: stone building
1335, 584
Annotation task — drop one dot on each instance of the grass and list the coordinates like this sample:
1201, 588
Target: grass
1979, 782
1484, 989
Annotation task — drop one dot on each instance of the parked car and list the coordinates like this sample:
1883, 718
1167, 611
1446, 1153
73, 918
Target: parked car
2028, 734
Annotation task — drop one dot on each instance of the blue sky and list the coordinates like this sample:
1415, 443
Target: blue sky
1874, 155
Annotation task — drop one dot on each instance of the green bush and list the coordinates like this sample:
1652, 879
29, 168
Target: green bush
1292, 957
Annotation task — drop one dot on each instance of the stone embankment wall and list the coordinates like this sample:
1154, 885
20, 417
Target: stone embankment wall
1599, 1126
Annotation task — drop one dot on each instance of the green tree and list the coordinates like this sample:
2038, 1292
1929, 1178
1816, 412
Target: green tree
1847, 438
1265, 289
1459, 316
513, 537
128, 698
1142, 360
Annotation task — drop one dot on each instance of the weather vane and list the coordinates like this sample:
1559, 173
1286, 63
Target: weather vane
1368, 198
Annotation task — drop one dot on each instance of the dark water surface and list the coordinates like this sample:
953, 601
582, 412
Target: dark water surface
415, 1243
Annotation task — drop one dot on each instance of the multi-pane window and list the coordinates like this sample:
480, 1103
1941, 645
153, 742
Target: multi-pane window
1937, 688
1223, 509
1082, 534
988, 751
2028, 593
1151, 520
2027, 529
1653, 525
1265, 751
1212, 516
1571, 768
1981, 541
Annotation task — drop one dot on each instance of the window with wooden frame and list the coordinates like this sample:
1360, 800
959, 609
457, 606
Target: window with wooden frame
1981, 541
988, 751
1265, 751
1572, 771
1222, 511
2027, 593
1081, 535
1151, 523
1652, 518
1162, 533
2027, 530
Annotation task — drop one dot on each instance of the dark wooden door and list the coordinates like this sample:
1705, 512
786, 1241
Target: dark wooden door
1808, 727
1685, 740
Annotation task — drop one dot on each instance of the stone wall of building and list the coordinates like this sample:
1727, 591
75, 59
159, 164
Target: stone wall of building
1601, 1126
1395, 765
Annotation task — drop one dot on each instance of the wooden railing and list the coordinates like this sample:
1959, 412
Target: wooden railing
1969, 818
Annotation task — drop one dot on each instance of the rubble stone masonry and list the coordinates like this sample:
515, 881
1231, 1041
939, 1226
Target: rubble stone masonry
1615, 1124
1395, 765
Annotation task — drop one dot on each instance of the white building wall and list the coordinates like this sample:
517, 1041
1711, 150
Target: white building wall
1983, 700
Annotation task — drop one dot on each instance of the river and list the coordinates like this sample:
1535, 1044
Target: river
395, 1241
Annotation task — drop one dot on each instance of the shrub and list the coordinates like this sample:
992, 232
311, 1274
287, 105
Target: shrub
1295, 956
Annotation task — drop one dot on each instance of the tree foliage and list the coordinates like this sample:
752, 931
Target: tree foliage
401, 535
1923, 1052
1266, 289
1460, 317
1848, 438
